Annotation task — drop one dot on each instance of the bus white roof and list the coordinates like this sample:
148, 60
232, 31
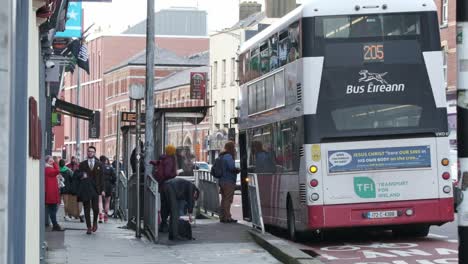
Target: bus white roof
313, 8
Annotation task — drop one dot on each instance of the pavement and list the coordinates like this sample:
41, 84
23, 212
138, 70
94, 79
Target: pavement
215, 243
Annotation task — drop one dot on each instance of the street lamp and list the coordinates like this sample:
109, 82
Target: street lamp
137, 93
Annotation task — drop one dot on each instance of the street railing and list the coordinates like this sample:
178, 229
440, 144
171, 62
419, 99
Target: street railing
121, 199
208, 200
255, 206
151, 213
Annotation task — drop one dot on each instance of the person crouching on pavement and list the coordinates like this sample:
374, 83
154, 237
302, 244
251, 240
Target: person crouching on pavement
91, 186
109, 184
52, 194
175, 190
227, 182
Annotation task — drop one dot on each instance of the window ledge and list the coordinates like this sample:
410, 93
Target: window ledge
445, 25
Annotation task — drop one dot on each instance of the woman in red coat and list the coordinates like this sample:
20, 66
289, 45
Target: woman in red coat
52, 193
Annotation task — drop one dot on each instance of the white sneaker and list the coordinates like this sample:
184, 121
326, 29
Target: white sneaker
67, 218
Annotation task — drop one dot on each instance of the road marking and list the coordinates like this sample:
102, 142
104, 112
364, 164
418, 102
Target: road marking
437, 236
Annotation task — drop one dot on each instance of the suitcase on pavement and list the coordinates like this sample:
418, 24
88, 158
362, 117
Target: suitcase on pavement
185, 229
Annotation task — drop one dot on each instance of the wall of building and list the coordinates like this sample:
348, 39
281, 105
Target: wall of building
105, 53
32, 239
5, 71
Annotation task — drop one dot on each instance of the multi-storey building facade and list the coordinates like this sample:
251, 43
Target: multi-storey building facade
224, 86
448, 32
105, 52
132, 72
174, 91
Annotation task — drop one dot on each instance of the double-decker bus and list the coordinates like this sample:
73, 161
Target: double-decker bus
343, 117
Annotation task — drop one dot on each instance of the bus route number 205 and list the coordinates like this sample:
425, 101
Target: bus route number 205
374, 52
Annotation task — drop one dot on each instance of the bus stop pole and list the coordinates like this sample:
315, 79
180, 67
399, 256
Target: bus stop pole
138, 174
462, 127
149, 121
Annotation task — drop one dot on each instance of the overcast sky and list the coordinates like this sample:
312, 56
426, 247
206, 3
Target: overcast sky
123, 13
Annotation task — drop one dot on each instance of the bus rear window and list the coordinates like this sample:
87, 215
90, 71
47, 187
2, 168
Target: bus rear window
377, 117
368, 26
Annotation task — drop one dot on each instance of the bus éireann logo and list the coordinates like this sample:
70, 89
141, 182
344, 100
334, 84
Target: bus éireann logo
372, 83
364, 187
369, 76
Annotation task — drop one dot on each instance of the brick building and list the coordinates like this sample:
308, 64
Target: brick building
174, 91
105, 52
118, 79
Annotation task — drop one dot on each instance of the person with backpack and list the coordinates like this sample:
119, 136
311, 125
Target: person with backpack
225, 170
165, 169
68, 192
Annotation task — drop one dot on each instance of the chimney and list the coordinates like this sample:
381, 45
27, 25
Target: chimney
247, 9
279, 8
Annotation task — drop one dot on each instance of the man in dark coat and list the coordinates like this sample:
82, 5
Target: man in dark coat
91, 186
175, 190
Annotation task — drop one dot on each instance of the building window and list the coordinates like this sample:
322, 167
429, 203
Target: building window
444, 13
445, 56
223, 76
233, 108
223, 111
215, 74
233, 71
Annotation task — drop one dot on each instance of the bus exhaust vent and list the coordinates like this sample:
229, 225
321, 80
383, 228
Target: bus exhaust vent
299, 93
303, 193
301, 151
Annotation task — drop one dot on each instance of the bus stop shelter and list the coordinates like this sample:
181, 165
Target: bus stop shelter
127, 183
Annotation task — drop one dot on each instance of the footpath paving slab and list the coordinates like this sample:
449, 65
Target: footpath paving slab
215, 243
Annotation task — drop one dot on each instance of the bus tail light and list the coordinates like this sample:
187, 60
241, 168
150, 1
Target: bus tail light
447, 189
314, 183
446, 175
314, 197
445, 162
313, 169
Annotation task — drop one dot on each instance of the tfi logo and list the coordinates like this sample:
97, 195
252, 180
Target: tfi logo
369, 76
375, 84
364, 187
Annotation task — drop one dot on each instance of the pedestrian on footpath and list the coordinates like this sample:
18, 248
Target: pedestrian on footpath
91, 186
52, 193
69, 192
165, 169
175, 190
227, 182
73, 165
109, 186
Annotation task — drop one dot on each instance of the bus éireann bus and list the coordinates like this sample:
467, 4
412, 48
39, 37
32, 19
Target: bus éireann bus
343, 117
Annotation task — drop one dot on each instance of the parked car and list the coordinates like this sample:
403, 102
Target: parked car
200, 165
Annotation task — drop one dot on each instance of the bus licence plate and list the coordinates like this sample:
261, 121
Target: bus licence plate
382, 214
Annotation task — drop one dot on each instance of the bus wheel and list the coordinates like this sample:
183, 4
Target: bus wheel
292, 234
411, 231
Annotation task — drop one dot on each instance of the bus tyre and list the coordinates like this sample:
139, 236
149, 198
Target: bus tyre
292, 234
411, 231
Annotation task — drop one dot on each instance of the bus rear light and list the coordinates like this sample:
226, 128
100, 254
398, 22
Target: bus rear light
313, 169
446, 175
314, 197
447, 189
314, 183
445, 162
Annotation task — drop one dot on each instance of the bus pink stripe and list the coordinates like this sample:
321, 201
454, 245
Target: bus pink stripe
434, 211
